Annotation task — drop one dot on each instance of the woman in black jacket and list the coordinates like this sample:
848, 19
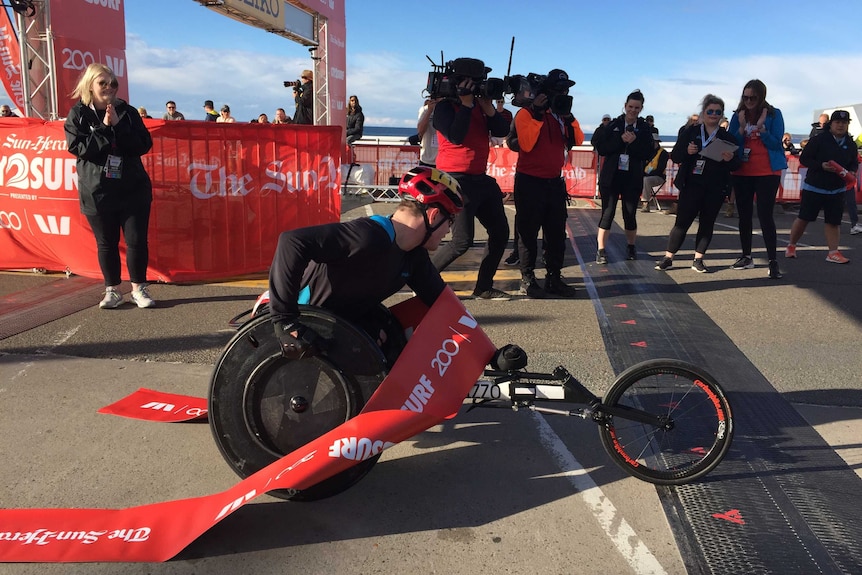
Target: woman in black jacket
355, 120
627, 144
108, 137
702, 182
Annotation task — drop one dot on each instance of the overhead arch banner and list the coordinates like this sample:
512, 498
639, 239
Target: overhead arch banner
222, 193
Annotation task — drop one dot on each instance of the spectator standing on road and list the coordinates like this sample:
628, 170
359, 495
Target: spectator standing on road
758, 128
210, 115
304, 98
171, 111
546, 131
654, 173
627, 144
702, 182
832, 162
355, 120
108, 138
427, 133
224, 116
464, 123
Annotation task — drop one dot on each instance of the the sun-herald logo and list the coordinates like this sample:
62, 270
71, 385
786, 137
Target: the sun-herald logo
357, 448
46, 536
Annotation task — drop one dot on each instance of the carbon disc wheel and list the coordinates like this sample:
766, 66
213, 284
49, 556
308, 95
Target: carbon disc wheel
263, 406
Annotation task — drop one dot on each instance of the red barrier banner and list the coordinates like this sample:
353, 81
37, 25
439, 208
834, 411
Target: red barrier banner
437, 368
151, 405
222, 193
10, 55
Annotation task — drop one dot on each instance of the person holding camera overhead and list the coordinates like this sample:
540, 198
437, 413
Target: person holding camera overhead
546, 130
464, 119
626, 143
303, 93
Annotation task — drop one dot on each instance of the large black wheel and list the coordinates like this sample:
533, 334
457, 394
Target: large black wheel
263, 406
690, 434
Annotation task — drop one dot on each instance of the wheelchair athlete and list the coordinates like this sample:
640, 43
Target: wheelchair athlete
349, 268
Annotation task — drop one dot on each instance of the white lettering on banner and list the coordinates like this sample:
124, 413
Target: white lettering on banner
235, 504
268, 7
39, 145
357, 448
77, 59
49, 225
203, 186
44, 536
293, 466
337, 40
158, 406
211, 180
420, 395
117, 65
19, 171
131, 535
112, 4
15, 196
422, 392
336, 73
10, 221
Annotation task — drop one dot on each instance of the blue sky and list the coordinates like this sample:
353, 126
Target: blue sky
674, 51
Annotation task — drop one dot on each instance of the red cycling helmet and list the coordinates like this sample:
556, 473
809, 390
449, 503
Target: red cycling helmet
430, 186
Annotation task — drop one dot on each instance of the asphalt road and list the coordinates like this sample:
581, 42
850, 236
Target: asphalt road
490, 491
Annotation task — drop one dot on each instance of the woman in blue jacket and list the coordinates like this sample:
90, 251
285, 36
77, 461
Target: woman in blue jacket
758, 128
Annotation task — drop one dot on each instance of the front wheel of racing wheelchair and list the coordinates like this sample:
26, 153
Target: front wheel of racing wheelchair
263, 406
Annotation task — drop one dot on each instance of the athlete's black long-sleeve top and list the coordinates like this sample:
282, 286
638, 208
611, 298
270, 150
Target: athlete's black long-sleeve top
347, 268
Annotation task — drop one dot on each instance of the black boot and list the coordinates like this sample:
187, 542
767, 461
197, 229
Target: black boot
555, 285
531, 288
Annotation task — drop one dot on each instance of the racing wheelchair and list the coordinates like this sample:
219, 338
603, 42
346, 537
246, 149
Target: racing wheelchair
663, 421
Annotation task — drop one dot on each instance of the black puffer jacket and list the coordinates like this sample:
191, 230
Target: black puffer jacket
90, 141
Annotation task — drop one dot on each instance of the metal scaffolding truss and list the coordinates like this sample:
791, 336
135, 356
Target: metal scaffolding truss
38, 65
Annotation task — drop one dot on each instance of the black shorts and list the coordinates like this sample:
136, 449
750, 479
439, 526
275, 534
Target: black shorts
831, 204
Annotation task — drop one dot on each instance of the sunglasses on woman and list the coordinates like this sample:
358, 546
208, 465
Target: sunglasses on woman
111, 84
714, 112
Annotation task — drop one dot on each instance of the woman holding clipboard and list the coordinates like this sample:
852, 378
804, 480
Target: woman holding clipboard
706, 156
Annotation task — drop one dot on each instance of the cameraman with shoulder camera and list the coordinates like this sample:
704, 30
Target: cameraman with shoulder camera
545, 131
464, 120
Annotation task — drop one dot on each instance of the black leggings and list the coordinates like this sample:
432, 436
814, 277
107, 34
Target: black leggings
765, 188
106, 227
695, 201
631, 195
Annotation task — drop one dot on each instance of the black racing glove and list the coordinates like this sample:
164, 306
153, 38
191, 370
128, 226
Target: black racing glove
297, 340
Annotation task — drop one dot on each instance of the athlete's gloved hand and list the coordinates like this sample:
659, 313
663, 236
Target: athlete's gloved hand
297, 340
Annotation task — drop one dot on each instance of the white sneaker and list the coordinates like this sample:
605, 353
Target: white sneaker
112, 299
857, 229
141, 297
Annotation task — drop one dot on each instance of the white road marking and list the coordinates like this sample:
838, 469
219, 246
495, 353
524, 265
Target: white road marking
621, 534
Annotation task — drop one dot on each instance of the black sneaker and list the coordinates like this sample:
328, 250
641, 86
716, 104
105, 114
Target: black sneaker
697, 265
632, 253
555, 285
665, 264
774, 271
531, 288
602, 257
743, 263
513, 259
492, 294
